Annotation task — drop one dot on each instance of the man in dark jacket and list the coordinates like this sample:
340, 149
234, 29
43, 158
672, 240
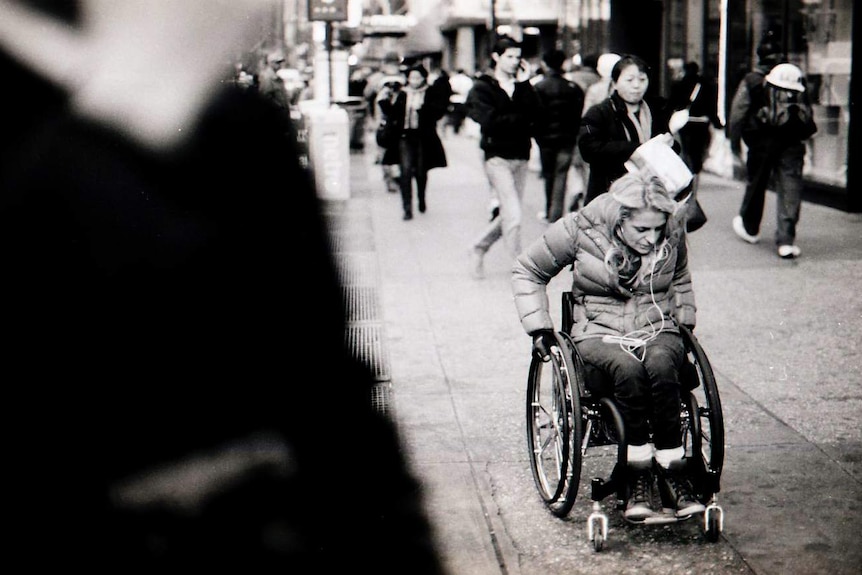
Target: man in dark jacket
561, 102
504, 104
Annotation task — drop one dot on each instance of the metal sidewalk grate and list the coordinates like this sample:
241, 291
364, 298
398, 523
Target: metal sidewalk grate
380, 398
352, 243
361, 303
365, 342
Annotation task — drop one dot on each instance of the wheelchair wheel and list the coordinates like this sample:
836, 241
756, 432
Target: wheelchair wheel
554, 428
704, 430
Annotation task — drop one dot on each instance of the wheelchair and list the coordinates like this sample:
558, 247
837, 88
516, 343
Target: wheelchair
571, 416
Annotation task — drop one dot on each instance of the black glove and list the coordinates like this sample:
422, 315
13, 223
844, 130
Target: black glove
542, 342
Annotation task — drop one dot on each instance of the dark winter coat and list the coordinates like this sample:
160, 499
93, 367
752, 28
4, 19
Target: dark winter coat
507, 124
608, 138
560, 104
434, 156
746, 100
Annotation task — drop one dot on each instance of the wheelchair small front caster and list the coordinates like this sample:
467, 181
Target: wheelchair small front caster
597, 527
713, 521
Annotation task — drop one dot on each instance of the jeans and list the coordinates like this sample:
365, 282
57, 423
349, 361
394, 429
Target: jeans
508, 179
764, 160
647, 393
412, 167
556, 161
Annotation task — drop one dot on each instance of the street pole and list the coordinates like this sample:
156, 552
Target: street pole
328, 44
493, 21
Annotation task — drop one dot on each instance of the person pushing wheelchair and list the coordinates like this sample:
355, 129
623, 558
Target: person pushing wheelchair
631, 288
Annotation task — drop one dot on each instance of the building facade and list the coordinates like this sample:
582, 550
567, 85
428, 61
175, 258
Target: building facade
720, 35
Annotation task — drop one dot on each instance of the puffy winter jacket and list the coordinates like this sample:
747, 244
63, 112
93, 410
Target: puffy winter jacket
507, 124
602, 305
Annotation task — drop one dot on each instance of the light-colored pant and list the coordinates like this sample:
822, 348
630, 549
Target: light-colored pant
508, 179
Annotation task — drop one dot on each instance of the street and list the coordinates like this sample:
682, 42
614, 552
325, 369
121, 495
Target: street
783, 338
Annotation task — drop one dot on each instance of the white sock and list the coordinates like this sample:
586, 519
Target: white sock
639, 454
666, 457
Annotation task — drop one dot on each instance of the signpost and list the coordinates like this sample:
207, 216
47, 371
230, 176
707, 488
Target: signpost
328, 11
329, 126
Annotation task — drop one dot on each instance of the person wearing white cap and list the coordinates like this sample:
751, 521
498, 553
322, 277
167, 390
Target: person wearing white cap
771, 114
600, 90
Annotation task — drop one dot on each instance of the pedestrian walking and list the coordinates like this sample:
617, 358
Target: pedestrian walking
271, 84
417, 109
697, 96
387, 134
557, 125
601, 88
584, 76
613, 129
460, 83
504, 104
632, 289
771, 113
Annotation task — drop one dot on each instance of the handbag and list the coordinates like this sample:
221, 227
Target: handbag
387, 134
695, 217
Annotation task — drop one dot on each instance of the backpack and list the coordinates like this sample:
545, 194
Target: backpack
788, 109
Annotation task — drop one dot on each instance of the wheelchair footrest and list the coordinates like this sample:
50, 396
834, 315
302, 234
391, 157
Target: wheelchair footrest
601, 489
665, 517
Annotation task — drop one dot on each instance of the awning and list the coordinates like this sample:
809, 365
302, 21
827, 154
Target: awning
424, 37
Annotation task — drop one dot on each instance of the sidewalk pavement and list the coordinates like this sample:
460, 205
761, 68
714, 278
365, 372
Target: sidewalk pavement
783, 338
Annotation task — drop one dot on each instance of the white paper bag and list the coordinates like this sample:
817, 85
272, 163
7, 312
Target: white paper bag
660, 159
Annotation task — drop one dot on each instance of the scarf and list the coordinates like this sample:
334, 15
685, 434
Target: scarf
415, 101
642, 123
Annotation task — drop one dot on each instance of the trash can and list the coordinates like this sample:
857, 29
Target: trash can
328, 148
357, 110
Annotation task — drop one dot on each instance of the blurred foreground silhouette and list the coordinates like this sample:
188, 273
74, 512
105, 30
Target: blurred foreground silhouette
179, 391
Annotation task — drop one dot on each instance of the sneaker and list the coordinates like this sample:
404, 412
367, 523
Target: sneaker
789, 252
422, 206
477, 264
739, 228
408, 215
641, 503
678, 492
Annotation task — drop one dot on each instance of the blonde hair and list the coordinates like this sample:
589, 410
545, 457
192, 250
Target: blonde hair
636, 191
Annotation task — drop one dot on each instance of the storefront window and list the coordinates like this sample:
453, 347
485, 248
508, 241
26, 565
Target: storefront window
827, 25
817, 37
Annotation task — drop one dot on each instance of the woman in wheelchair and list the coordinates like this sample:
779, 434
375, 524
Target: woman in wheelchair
631, 288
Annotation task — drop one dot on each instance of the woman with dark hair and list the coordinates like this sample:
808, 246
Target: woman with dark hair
632, 289
613, 129
417, 109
